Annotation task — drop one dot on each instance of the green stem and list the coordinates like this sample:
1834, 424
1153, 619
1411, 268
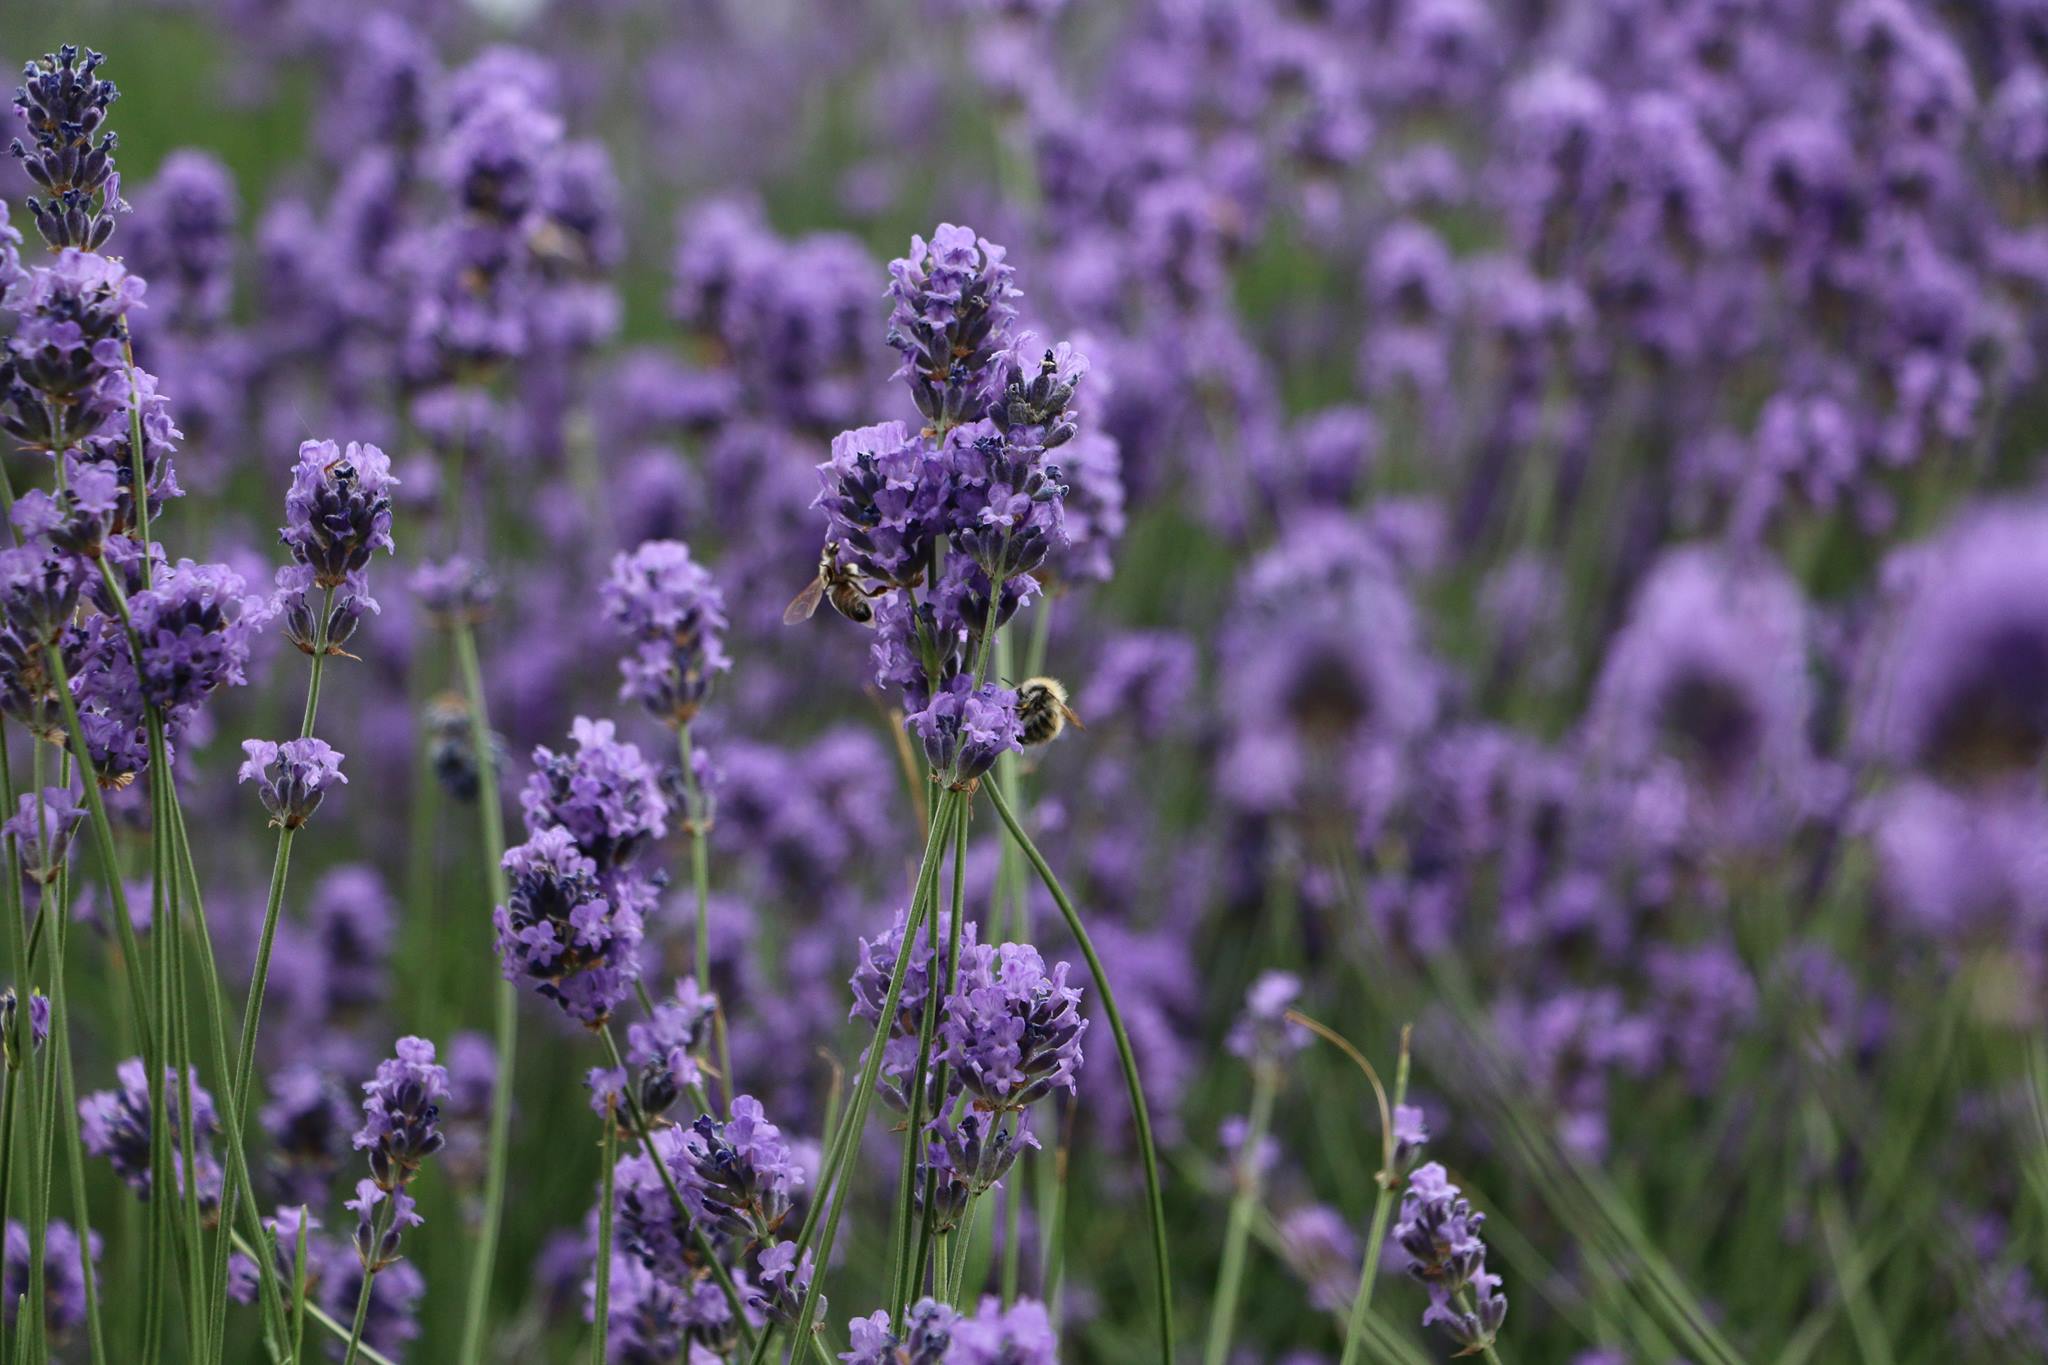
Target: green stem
1243, 1203
507, 1004
833, 1186
299, 1289
355, 1332
320, 1315
700, 879
913, 1132
601, 1309
1376, 1235
1139, 1112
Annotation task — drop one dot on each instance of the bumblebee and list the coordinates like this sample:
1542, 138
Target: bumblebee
1042, 710
837, 584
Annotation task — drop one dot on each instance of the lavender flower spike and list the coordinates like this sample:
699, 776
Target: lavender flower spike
965, 729
402, 1113
292, 777
1439, 1231
64, 102
338, 512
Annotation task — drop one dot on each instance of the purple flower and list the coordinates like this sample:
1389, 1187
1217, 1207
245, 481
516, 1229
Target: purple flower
64, 1271
605, 794
377, 1246
968, 1158
115, 1125
183, 240
885, 492
1711, 669
43, 826
781, 1283
307, 1124
965, 729
63, 102
296, 602
292, 777
1439, 1232
402, 1113
1264, 1032
1011, 1030
666, 602
338, 512
1959, 684
951, 315
62, 376
665, 1045
573, 941
740, 1174
870, 983
196, 628
937, 1334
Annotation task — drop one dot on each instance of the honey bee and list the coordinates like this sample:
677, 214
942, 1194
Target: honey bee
1042, 710
837, 584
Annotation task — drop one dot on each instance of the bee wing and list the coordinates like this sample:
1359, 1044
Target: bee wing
805, 604
1073, 717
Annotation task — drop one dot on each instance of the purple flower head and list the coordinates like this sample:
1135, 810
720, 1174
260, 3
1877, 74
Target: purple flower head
115, 1124
927, 1337
605, 794
1010, 1029
741, 1174
1439, 1232
965, 729
571, 940
666, 602
56, 368
1711, 669
351, 916
885, 492
63, 102
454, 589
402, 1113
495, 156
665, 1045
1959, 686
1008, 500
183, 239
1264, 1033
63, 1276
292, 778
338, 512
934, 1333
196, 627
43, 825
951, 315
38, 595
870, 983
307, 1124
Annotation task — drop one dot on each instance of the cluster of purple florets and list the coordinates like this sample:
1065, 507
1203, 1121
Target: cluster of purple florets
115, 1125
967, 507
936, 1333
401, 1129
666, 604
1439, 1232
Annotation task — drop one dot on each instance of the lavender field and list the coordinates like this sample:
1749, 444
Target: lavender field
994, 682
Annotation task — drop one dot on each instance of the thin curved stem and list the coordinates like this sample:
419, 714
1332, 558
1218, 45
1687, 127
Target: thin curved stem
1140, 1114
1383, 1205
